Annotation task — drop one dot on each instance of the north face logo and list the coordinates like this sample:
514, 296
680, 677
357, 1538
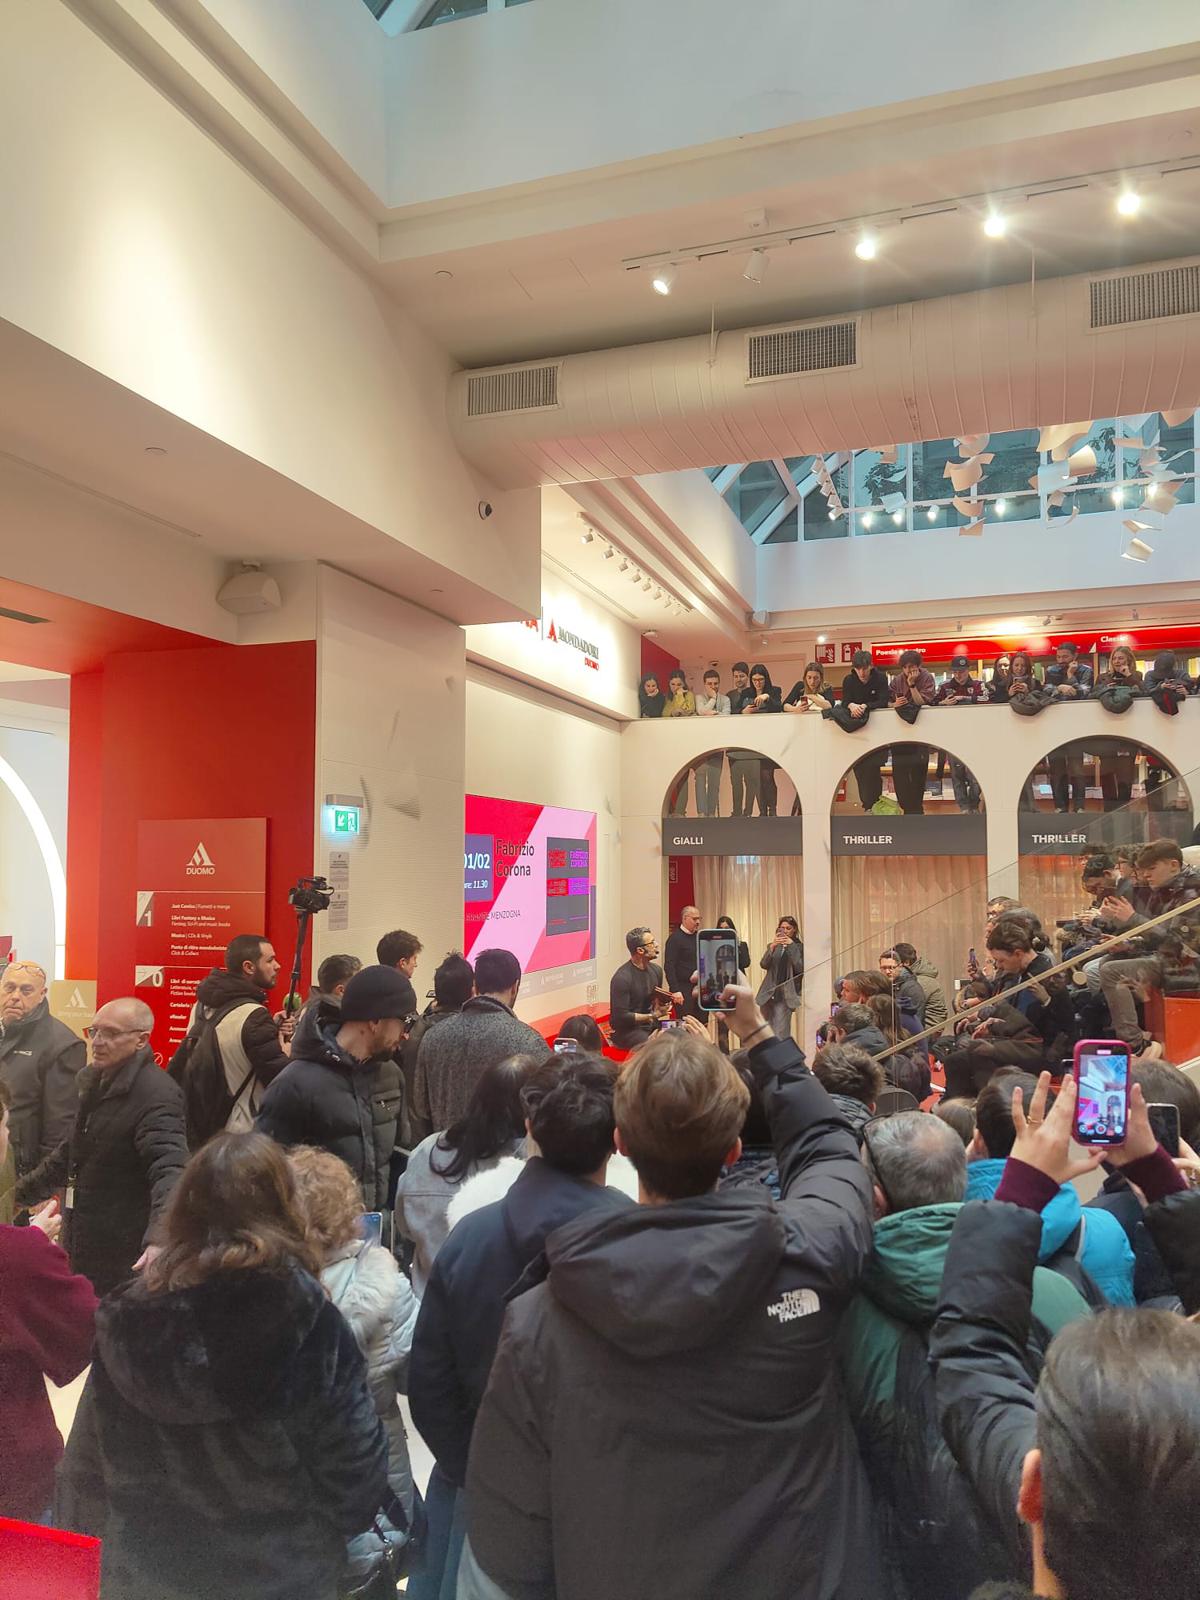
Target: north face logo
201, 864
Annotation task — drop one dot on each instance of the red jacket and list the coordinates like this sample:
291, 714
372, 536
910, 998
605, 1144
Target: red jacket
46, 1315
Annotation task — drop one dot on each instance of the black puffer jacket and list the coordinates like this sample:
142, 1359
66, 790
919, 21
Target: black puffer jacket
668, 1343
226, 1443
123, 1157
985, 1395
40, 1061
350, 1108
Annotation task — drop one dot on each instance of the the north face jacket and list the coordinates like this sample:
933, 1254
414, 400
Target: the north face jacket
1103, 1252
40, 1061
899, 1291
664, 1416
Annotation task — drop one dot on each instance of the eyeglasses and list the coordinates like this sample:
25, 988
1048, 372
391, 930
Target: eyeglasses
107, 1035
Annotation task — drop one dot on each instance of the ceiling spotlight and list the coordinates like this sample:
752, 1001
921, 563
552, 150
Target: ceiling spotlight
647, 586
820, 638
868, 520
1000, 506
995, 225
1118, 494
958, 627
650, 633
932, 513
897, 517
866, 247
833, 516
1136, 614
658, 594
637, 577
609, 552
586, 537
1129, 203
624, 567
663, 280
1137, 550
756, 266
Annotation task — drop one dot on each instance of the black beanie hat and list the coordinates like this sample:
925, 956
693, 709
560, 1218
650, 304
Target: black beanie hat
375, 993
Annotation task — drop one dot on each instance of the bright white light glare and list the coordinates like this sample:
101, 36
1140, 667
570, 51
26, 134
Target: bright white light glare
663, 280
932, 513
1000, 507
995, 225
833, 516
1117, 496
756, 266
897, 517
51, 859
866, 247
820, 638
1129, 203
586, 538
1151, 491
868, 520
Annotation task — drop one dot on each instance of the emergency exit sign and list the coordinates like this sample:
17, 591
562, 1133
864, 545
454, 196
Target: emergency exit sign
345, 819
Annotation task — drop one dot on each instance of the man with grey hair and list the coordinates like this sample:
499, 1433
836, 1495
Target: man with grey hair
918, 1170
124, 1155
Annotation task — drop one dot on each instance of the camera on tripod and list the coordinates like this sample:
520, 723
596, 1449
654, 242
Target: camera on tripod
311, 895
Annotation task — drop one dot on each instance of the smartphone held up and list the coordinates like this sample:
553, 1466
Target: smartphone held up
716, 966
1102, 1083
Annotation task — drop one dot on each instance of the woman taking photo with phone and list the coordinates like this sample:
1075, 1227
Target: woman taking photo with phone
779, 993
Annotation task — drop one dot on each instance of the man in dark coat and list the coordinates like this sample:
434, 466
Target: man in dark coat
485, 1031
679, 962
124, 1154
664, 1416
1110, 1431
233, 1004
864, 690
40, 1061
570, 1123
344, 1093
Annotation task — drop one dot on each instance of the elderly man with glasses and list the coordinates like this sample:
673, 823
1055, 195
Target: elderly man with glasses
118, 1165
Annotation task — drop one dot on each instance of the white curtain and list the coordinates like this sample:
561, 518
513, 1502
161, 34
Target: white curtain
938, 904
755, 891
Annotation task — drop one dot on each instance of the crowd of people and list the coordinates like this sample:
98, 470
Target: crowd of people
1016, 679
684, 1323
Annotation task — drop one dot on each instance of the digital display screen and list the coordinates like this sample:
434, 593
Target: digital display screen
529, 882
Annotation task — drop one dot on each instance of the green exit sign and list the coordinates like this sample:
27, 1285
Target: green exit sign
345, 819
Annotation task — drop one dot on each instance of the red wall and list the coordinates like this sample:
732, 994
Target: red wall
226, 731
658, 661
681, 886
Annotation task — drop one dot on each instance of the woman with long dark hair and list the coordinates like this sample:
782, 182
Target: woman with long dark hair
651, 700
779, 993
226, 1442
492, 1127
1001, 679
743, 955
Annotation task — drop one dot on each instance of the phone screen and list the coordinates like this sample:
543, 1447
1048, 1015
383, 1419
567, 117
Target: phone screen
1102, 1107
716, 965
566, 1047
371, 1226
1164, 1122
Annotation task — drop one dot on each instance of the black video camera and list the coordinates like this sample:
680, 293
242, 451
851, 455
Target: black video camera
311, 895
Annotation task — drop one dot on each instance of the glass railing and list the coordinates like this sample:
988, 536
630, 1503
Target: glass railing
1142, 462
940, 907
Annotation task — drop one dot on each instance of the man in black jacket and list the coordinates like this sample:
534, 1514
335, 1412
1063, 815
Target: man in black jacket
232, 1004
40, 1061
124, 1154
570, 1127
865, 689
664, 1416
679, 962
343, 1094
1099, 1463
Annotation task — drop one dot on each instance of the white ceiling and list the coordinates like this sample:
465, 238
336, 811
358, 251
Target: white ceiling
550, 289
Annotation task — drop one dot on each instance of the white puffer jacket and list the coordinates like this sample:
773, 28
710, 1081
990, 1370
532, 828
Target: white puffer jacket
377, 1300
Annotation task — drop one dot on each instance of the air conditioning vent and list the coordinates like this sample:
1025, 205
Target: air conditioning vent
1145, 296
788, 352
490, 394
20, 616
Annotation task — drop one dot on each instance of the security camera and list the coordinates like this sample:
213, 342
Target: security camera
485, 509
